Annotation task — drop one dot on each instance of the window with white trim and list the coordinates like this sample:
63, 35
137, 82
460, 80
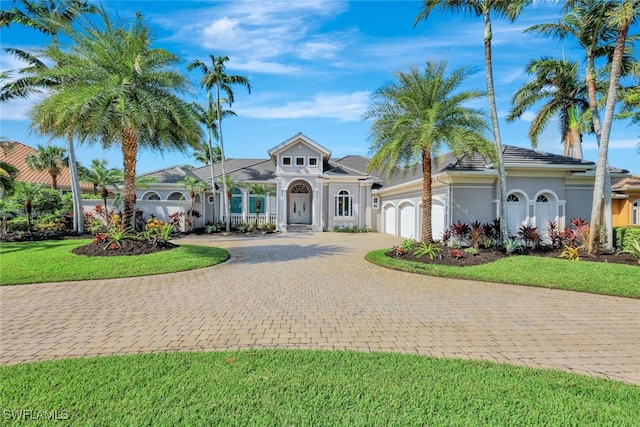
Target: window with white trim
635, 213
376, 202
236, 201
286, 161
151, 196
313, 161
343, 204
299, 161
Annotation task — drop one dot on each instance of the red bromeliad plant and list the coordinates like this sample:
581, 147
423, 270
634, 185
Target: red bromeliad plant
457, 253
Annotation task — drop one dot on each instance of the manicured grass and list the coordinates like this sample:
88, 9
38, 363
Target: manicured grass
53, 261
583, 276
302, 388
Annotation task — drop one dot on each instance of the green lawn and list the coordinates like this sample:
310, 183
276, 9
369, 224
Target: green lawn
53, 261
303, 388
583, 276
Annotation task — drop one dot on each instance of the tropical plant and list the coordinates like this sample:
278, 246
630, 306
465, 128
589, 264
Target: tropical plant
101, 177
415, 117
633, 249
8, 175
471, 251
215, 76
50, 159
431, 250
230, 184
457, 253
193, 186
557, 85
202, 154
571, 253
260, 190
114, 85
512, 246
530, 235
48, 17
509, 9
24, 193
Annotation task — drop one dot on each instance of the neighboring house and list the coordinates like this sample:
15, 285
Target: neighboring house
313, 191
626, 201
17, 155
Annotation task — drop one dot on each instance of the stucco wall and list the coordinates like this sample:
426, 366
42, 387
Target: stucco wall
332, 189
300, 150
472, 203
579, 200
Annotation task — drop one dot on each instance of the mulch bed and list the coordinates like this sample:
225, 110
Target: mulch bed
128, 247
489, 255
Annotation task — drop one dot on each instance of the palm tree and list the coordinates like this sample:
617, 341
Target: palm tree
556, 83
101, 177
418, 115
25, 192
260, 190
215, 76
8, 172
588, 22
202, 154
48, 17
114, 87
229, 184
621, 19
511, 10
50, 159
193, 186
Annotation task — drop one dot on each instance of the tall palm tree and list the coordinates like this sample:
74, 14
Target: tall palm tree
114, 88
556, 83
193, 186
417, 116
620, 19
101, 177
206, 155
48, 17
588, 22
511, 10
51, 159
215, 76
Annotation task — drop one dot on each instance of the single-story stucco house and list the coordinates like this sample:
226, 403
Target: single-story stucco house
626, 201
313, 191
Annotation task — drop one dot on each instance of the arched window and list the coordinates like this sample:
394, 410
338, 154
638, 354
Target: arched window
176, 195
343, 204
542, 199
236, 201
152, 195
635, 213
300, 188
513, 198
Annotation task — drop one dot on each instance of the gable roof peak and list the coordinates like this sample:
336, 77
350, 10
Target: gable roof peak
273, 153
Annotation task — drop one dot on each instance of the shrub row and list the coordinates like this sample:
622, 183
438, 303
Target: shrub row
624, 236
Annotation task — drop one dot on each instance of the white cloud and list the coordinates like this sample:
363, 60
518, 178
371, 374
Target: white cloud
614, 144
346, 107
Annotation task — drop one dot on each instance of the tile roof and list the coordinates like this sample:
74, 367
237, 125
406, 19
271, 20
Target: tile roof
630, 183
16, 156
171, 175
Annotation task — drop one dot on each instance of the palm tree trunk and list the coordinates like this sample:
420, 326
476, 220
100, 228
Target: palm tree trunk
502, 173
427, 196
54, 181
225, 203
576, 143
129, 154
602, 167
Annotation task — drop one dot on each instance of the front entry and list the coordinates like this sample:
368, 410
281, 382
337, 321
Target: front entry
300, 204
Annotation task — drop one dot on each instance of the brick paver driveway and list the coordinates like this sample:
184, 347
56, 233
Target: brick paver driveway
317, 291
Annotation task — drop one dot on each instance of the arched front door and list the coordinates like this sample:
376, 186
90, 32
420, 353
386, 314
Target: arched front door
300, 204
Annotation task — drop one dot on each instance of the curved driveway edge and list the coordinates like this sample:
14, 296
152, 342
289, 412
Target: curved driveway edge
316, 291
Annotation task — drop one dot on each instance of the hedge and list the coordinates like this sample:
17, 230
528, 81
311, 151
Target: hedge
625, 235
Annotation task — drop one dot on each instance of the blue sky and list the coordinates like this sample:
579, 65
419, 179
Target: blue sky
314, 64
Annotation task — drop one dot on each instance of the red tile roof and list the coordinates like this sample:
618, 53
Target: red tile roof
16, 156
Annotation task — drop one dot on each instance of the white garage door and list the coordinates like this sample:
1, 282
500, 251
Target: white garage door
408, 222
437, 221
390, 220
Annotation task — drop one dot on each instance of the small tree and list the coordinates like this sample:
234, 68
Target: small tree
193, 186
25, 192
260, 190
101, 177
51, 159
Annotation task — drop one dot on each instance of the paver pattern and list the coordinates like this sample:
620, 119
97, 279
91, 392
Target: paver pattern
316, 291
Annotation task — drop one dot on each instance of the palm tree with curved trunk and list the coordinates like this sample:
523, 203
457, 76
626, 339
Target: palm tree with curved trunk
101, 177
51, 159
48, 17
418, 115
118, 90
556, 84
215, 76
260, 190
510, 9
591, 24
